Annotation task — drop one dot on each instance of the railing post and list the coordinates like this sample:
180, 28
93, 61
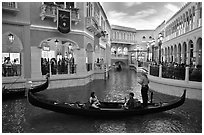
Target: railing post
187, 74
28, 86
149, 69
160, 70
50, 67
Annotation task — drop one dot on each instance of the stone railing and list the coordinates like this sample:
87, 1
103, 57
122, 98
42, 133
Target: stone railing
176, 72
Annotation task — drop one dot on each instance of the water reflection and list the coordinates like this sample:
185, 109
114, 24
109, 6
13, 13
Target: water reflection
20, 116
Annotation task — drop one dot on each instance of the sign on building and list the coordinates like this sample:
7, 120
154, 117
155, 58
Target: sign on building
64, 21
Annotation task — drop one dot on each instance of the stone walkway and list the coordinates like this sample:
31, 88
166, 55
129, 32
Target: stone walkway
176, 91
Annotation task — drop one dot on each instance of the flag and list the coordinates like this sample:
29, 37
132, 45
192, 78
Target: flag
64, 21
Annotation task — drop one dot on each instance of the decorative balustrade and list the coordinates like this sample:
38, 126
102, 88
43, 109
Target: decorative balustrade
186, 28
50, 11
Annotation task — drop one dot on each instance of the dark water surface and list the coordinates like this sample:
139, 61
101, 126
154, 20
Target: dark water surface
19, 116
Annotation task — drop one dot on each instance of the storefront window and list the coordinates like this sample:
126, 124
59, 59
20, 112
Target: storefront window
57, 57
11, 64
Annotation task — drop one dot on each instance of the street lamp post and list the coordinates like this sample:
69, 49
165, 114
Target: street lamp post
160, 39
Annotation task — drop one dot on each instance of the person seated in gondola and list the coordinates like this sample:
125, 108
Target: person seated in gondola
94, 102
132, 103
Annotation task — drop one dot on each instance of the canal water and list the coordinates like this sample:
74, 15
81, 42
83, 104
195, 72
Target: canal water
18, 116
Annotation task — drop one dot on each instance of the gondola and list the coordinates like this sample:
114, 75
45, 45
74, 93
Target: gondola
20, 92
119, 68
106, 109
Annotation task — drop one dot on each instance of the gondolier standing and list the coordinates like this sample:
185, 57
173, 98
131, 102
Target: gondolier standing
144, 81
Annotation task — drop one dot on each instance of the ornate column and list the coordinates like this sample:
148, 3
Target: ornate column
187, 74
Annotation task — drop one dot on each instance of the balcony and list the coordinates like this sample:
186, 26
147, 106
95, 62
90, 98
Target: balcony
50, 11
75, 15
91, 25
10, 7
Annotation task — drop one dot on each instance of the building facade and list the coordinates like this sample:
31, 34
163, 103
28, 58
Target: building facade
182, 36
122, 39
130, 45
32, 39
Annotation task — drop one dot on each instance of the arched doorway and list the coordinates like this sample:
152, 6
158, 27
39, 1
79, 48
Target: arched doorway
199, 51
11, 55
57, 56
89, 57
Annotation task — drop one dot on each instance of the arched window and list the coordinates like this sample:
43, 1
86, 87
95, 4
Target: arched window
11, 55
125, 51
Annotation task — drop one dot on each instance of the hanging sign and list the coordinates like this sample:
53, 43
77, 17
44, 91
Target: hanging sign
64, 21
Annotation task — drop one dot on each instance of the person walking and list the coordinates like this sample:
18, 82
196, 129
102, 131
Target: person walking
144, 81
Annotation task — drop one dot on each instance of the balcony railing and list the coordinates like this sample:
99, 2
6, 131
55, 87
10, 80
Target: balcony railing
186, 28
50, 11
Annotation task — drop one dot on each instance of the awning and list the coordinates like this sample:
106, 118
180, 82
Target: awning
14, 47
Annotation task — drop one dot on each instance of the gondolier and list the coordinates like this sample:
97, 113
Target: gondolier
144, 81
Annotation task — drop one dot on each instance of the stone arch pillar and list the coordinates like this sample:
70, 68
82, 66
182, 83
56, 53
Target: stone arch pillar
179, 54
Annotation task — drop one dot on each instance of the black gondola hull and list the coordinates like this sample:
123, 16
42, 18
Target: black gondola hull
107, 109
20, 92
